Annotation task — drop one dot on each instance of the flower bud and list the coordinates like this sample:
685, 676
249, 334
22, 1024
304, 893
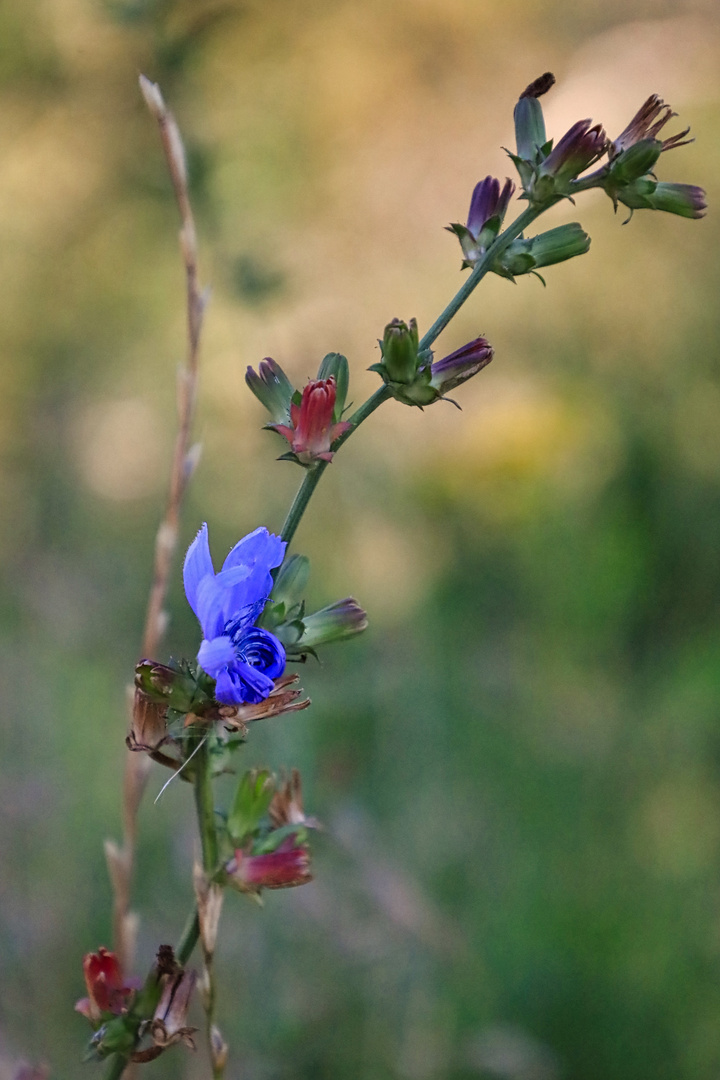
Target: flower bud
335, 366
577, 149
272, 388
686, 200
287, 866
461, 365
638, 160
107, 989
530, 134
311, 431
165, 685
338, 621
524, 256
117, 1036
487, 211
400, 351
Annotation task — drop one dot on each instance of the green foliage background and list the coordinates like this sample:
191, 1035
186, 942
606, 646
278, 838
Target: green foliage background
518, 765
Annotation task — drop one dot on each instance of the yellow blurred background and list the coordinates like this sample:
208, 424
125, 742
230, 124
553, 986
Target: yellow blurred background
518, 765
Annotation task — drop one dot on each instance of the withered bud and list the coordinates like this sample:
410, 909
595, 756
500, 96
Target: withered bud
168, 1025
539, 86
149, 728
286, 807
218, 1050
281, 700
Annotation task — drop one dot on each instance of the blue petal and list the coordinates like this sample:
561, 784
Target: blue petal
216, 599
216, 654
258, 546
263, 651
241, 685
228, 691
210, 609
256, 685
197, 566
258, 553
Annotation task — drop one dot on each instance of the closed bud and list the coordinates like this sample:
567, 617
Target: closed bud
576, 150
165, 685
117, 1036
335, 366
529, 121
524, 256
487, 210
686, 200
638, 160
461, 365
339, 621
311, 430
285, 867
529, 128
272, 388
108, 990
400, 351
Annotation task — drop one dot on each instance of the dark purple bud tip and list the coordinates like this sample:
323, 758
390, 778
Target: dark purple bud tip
539, 86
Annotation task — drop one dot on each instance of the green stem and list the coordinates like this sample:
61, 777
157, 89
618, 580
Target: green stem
312, 476
188, 938
205, 806
118, 1065
481, 268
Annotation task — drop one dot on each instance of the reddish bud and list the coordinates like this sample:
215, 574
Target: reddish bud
284, 868
106, 986
313, 432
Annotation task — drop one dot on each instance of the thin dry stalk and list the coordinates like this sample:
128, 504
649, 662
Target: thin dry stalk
185, 458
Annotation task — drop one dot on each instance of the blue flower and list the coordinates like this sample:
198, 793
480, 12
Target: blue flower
243, 659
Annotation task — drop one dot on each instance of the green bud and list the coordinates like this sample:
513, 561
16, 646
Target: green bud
339, 621
556, 245
291, 581
529, 128
252, 798
166, 685
638, 160
686, 200
117, 1036
335, 366
272, 388
400, 351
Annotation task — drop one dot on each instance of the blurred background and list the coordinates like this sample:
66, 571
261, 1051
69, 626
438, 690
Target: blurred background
518, 765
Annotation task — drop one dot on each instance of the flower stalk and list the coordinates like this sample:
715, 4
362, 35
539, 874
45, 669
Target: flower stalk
203, 708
